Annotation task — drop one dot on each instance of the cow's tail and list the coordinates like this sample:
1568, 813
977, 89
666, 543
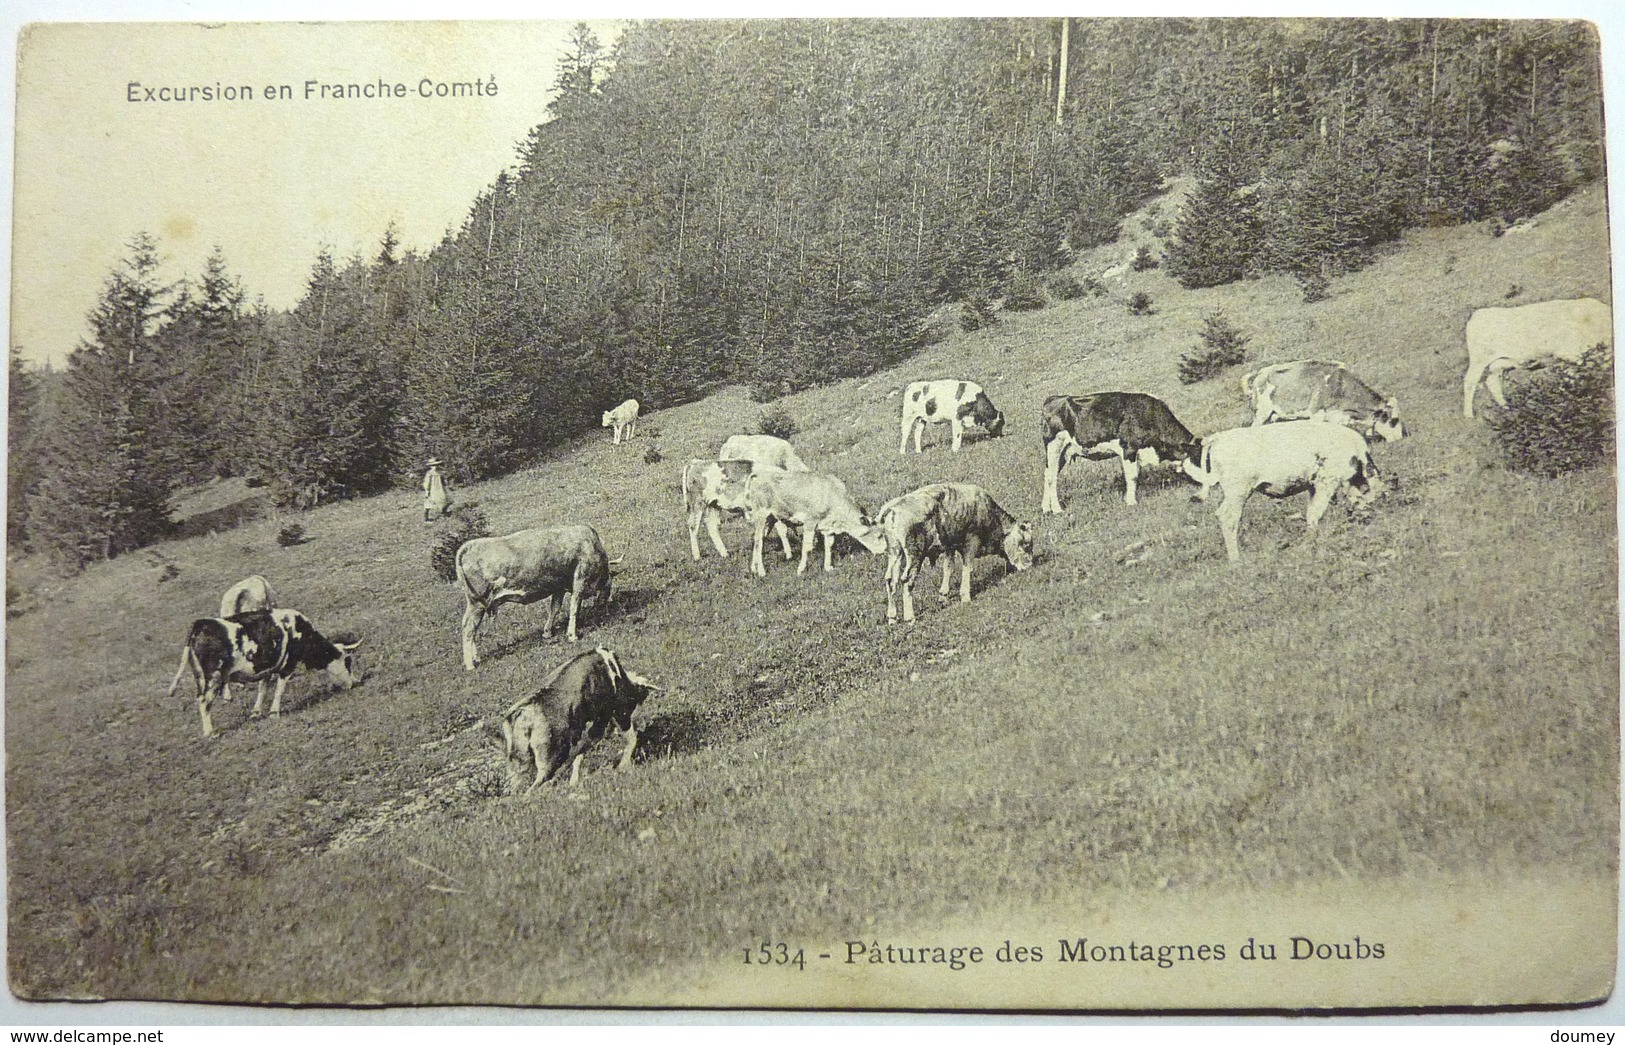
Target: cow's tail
188, 660
463, 581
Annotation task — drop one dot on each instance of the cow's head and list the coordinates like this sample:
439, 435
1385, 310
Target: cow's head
1365, 485
608, 420
342, 668
872, 537
1385, 422
1018, 545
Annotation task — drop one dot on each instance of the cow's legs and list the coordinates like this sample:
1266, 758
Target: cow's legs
276, 698
1131, 475
1319, 501
473, 614
919, 433
809, 536
1054, 461
205, 695
947, 575
553, 604
908, 594
967, 558
908, 427
829, 551
1494, 380
259, 700
1229, 513
958, 430
1263, 407
575, 604
713, 526
783, 530
1469, 386
759, 531
894, 571
631, 746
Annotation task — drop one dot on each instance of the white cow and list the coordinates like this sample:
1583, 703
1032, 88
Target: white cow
1499, 339
949, 402
816, 502
712, 489
762, 451
623, 417
1281, 460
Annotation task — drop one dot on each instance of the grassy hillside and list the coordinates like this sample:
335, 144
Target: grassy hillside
1430, 692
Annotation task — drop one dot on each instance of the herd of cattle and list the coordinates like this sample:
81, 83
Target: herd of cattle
1312, 422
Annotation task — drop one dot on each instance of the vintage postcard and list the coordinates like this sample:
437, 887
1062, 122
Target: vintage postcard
858, 424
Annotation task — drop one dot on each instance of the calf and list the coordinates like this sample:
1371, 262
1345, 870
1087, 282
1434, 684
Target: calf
572, 709
939, 521
1321, 390
1499, 339
1281, 460
712, 488
949, 402
248, 594
622, 418
550, 562
762, 451
816, 502
1138, 429
254, 647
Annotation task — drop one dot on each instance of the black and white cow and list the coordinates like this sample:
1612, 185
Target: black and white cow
1282, 460
1321, 390
955, 403
550, 562
574, 707
1132, 426
255, 647
938, 522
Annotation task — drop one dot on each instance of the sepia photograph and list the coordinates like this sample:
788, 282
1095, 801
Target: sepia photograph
1042, 514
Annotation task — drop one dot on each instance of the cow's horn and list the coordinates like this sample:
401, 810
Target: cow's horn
617, 560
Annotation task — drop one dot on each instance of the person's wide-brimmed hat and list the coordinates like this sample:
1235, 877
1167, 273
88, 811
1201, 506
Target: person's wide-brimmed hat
434, 462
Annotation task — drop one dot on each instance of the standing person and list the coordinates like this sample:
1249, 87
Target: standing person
434, 492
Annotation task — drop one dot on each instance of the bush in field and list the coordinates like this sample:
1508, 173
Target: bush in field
1561, 420
291, 535
976, 312
1063, 286
1144, 260
1024, 294
1140, 304
467, 523
1222, 346
653, 455
776, 420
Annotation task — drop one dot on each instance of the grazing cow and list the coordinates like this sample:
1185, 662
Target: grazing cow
254, 647
623, 417
816, 502
549, 562
572, 709
762, 451
1499, 339
1281, 460
711, 488
1321, 390
935, 402
1137, 428
938, 521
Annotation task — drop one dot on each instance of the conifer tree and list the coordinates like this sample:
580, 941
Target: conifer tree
101, 490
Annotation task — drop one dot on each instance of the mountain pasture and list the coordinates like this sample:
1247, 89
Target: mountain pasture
1430, 691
